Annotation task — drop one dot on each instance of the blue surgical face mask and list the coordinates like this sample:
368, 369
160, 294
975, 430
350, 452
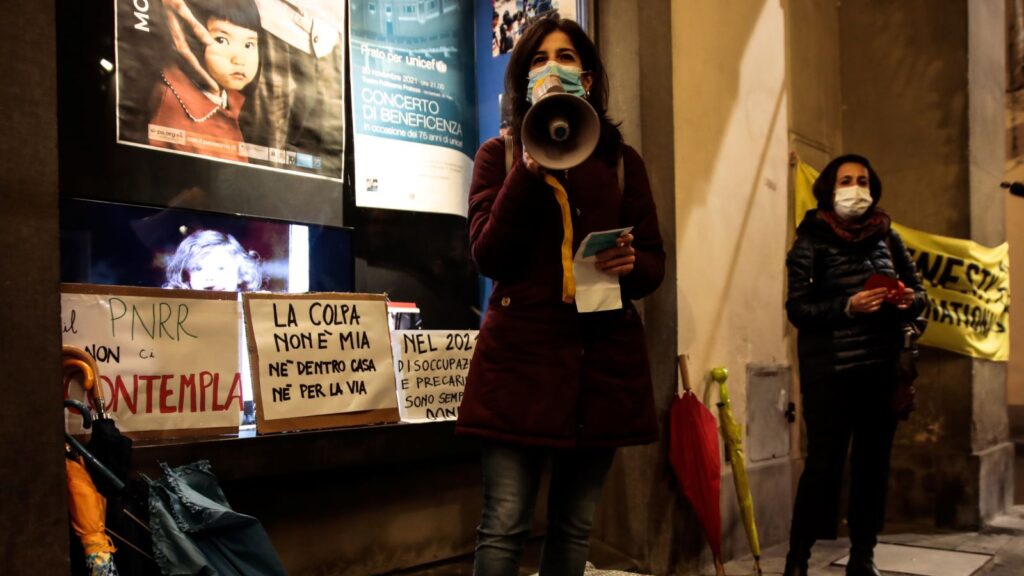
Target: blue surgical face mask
571, 78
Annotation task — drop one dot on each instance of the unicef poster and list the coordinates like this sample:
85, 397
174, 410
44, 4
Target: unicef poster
413, 113
251, 82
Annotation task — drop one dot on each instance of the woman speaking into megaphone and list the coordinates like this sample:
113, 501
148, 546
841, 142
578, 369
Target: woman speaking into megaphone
560, 371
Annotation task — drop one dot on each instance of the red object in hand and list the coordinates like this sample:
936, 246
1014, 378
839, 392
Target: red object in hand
893, 287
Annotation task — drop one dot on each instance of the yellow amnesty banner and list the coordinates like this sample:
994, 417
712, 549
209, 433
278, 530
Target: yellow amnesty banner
804, 200
968, 285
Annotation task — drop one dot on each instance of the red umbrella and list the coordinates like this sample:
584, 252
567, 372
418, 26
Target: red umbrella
693, 454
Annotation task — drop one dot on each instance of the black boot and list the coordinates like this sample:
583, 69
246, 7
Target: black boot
862, 563
795, 566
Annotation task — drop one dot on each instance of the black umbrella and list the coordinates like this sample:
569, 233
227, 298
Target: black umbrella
107, 461
106, 444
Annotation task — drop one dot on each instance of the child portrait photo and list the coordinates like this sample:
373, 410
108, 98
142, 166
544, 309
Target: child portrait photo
251, 82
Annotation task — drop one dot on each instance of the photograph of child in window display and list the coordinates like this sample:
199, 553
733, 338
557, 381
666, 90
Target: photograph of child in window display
131, 245
212, 260
205, 103
256, 82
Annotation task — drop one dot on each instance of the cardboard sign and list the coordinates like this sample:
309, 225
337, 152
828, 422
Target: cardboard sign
431, 368
168, 359
319, 360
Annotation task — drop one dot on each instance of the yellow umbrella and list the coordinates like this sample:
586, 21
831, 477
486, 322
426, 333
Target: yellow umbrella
88, 510
734, 450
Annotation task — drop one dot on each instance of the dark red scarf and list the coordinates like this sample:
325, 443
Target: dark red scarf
875, 225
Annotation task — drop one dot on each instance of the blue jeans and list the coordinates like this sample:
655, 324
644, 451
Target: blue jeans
511, 480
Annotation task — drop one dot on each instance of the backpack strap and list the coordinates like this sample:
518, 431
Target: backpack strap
897, 265
508, 153
620, 171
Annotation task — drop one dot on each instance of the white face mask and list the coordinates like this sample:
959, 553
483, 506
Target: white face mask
852, 201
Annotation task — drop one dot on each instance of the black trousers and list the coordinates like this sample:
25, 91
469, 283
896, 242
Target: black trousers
852, 407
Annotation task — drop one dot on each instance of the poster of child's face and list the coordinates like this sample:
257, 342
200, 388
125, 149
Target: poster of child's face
126, 245
210, 259
253, 82
512, 17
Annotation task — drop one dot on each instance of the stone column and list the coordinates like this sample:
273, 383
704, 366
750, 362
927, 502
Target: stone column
639, 517
33, 492
705, 83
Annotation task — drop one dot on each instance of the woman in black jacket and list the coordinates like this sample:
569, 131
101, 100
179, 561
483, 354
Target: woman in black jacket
849, 341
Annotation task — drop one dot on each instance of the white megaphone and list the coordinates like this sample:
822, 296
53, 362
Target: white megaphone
560, 130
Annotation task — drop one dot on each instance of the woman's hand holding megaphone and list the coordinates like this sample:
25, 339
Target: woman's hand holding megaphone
618, 261
532, 165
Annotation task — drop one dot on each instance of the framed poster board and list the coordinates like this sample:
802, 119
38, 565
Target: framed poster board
265, 90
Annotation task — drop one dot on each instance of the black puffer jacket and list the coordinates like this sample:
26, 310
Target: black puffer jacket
824, 272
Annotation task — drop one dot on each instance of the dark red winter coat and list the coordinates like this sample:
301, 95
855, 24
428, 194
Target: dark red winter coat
543, 373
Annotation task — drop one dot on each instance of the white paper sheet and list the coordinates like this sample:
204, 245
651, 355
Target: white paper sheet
596, 290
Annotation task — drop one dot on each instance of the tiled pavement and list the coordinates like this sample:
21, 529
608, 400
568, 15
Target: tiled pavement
1002, 539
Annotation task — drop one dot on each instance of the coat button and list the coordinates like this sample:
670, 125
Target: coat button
506, 301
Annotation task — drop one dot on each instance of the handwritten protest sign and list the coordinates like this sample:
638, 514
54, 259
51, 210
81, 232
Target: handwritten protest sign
319, 360
168, 359
431, 368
